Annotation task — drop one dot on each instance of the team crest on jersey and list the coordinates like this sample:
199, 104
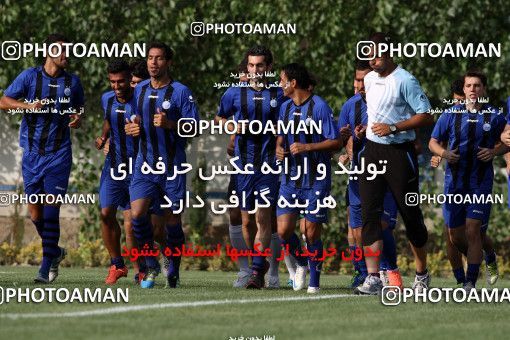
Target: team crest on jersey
273, 103
166, 105
486, 127
423, 98
67, 91
191, 99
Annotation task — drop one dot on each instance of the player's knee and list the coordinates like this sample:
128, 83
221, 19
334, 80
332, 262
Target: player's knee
235, 216
418, 237
107, 215
283, 232
173, 218
371, 233
137, 214
473, 235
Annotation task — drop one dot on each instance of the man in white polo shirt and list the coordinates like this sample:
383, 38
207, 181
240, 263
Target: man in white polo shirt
396, 105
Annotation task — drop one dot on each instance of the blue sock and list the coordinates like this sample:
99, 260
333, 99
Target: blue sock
44, 270
355, 263
315, 262
389, 249
118, 262
383, 263
460, 275
295, 246
142, 230
257, 263
490, 258
50, 236
39, 226
142, 267
472, 273
362, 266
174, 239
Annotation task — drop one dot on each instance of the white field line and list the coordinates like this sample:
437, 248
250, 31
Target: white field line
136, 308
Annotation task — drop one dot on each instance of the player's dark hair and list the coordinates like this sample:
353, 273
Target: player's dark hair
478, 74
300, 73
457, 87
380, 38
167, 51
51, 39
362, 65
259, 50
54, 37
139, 69
118, 66
243, 66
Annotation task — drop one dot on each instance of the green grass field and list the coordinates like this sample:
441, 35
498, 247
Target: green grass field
339, 317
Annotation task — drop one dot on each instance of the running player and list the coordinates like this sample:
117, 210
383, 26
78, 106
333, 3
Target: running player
396, 106
160, 102
353, 116
259, 102
454, 255
472, 131
117, 106
302, 150
235, 229
138, 74
45, 139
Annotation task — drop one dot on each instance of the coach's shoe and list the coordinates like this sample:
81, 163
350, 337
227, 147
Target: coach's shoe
394, 279
55, 263
242, 279
300, 278
371, 286
172, 282
492, 272
40, 279
313, 290
421, 282
114, 274
357, 279
468, 286
273, 282
383, 275
150, 278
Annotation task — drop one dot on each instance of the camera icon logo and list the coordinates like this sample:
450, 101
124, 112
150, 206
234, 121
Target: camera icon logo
391, 295
365, 50
4, 199
187, 127
197, 28
411, 199
11, 50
